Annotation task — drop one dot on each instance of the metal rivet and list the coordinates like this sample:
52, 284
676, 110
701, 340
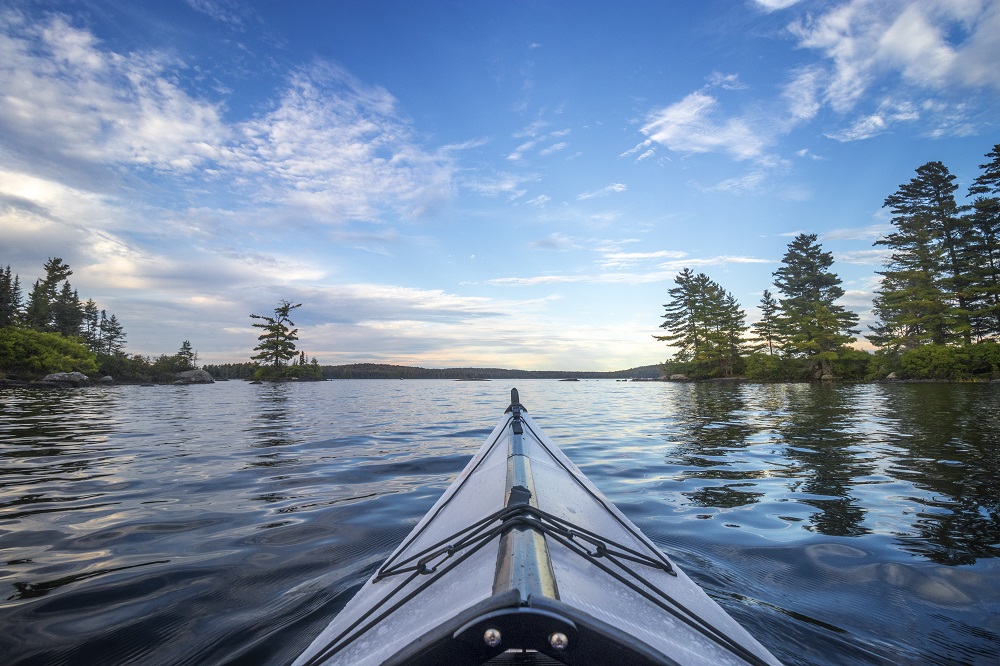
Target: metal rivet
558, 641
491, 637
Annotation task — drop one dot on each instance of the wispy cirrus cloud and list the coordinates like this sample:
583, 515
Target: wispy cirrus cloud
665, 271
614, 188
693, 125
923, 56
623, 259
332, 147
909, 49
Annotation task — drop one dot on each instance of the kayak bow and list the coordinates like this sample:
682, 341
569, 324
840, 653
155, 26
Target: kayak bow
523, 553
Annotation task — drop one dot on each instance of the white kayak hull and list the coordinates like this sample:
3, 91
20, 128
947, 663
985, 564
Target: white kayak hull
523, 552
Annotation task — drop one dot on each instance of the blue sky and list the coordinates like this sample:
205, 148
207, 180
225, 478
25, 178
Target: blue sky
506, 184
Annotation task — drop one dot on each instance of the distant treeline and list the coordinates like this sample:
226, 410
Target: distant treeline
386, 371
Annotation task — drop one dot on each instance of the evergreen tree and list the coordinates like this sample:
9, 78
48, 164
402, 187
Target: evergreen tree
111, 336
187, 356
705, 324
10, 298
42, 301
766, 329
67, 312
89, 329
810, 323
277, 342
984, 248
926, 284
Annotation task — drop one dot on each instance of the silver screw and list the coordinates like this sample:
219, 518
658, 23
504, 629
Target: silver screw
491, 637
558, 641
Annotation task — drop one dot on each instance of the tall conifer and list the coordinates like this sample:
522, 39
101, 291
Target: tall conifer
811, 324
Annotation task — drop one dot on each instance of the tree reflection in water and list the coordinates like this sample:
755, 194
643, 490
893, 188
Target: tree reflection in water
951, 456
916, 462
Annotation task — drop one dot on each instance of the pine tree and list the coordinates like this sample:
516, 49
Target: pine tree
39, 313
67, 312
10, 298
112, 335
705, 324
89, 329
810, 322
984, 247
766, 330
277, 343
926, 284
187, 356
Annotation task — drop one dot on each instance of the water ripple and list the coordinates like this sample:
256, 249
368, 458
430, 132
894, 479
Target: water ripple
842, 524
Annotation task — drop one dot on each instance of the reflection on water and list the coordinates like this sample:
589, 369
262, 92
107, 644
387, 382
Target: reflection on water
228, 523
927, 451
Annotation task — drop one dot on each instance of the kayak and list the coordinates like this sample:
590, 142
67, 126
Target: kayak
523, 560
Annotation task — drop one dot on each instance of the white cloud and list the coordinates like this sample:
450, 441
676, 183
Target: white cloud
67, 96
801, 93
750, 182
665, 272
337, 149
691, 126
862, 233
930, 44
623, 259
726, 81
867, 126
224, 11
331, 149
774, 5
864, 257
604, 191
507, 184
554, 148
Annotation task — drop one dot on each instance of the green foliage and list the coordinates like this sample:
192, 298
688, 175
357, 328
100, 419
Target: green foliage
934, 362
984, 359
927, 288
853, 364
288, 372
766, 330
232, 370
706, 325
10, 298
142, 369
28, 354
277, 343
811, 324
984, 248
773, 368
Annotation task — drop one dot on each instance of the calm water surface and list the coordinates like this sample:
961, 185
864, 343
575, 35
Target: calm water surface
846, 524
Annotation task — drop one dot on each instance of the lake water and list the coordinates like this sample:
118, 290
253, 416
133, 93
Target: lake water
841, 524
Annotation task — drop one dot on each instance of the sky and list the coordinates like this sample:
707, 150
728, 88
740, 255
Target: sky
441, 184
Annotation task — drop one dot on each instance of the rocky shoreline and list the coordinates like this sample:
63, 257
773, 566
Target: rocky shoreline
63, 380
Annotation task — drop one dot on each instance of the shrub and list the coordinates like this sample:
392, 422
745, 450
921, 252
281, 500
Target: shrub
29, 354
934, 362
852, 363
770, 368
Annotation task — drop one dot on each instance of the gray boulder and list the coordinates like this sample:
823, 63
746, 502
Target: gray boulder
106, 379
71, 378
194, 377
678, 377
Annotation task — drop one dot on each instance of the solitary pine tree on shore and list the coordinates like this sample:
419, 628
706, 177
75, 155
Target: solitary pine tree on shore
276, 343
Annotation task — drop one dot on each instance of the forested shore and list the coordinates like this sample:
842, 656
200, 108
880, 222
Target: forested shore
936, 310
